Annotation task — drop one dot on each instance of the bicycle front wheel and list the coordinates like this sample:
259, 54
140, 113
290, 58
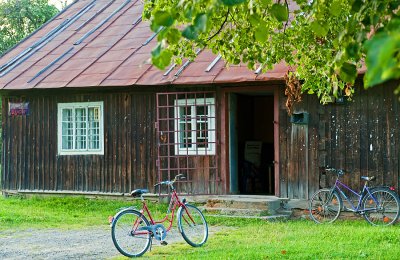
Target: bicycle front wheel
381, 207
192, 225
128, 233
325, 206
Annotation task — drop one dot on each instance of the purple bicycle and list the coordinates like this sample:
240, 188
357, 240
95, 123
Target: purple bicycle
380, 206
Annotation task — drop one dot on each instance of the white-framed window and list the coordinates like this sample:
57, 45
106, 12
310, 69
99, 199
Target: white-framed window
80, 128
195, 126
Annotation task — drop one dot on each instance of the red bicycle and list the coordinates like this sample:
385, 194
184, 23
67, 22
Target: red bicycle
133, 233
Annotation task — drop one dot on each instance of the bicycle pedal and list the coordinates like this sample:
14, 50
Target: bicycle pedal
163, 243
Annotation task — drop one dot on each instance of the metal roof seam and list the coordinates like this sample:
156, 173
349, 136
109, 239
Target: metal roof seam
219, 72
50, 37
133, 27
141, 75
38, 29
50, 64
133, 53
70, 21
152, 36
9, 63
258, 70
213, 63
94, 15
14, 62
137, 21
184, 66
86, 35
170, 69
97, 57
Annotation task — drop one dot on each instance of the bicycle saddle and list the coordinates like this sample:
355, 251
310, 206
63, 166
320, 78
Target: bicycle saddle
366, 178
139, 192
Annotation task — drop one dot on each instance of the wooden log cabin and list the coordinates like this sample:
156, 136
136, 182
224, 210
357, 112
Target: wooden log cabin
84, 111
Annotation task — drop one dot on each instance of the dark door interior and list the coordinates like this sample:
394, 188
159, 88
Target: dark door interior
255, 140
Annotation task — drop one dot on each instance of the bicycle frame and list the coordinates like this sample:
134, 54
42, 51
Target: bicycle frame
354, 208
174, 203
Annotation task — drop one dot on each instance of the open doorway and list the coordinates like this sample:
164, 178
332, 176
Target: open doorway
254, 116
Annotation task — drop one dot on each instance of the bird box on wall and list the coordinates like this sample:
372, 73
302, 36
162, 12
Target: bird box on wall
301, 118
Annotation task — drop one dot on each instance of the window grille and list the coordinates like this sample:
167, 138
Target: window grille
187, 141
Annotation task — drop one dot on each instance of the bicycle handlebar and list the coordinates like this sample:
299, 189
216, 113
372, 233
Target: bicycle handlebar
334, 170
177, 177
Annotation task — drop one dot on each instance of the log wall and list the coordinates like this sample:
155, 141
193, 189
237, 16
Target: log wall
361, 136
30, 160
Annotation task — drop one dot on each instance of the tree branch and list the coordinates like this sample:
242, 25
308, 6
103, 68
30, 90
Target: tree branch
285, 26
221, 27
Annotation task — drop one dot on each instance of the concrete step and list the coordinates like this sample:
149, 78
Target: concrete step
217, 203
236, 211
244, 205
272, 218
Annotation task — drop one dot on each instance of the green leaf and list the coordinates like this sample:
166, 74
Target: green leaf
254, 20
190, 33
232, 2
163, 59
394, 4
265, 3
352, 50
336, 8
163, 18
356, 6
280, 12
318, 29
173, 36
261, 34
189, 12
200, 22
381, 60
154, 27
374, 19
348, 72
156, 51
393, 25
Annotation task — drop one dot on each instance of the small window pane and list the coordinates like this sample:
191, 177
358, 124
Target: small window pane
81, 128
93, 130
67, 129
185, 128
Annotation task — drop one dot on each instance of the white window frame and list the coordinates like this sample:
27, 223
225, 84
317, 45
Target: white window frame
211, 135
73, 107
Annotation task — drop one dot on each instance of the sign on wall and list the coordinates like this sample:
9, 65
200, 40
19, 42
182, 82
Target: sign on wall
18, 108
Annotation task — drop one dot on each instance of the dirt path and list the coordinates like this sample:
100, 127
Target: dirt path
93, 243
90, 243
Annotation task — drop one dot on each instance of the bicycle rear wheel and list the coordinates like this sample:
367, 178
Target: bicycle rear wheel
325, 206
128, 235
192, 225
381, 207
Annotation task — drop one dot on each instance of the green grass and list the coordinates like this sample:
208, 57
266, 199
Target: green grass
297, 239
236, 238
61, 212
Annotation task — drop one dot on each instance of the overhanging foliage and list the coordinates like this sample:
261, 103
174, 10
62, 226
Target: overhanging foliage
325, 43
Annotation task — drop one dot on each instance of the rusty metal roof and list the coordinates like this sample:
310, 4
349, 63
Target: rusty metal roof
100, 43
